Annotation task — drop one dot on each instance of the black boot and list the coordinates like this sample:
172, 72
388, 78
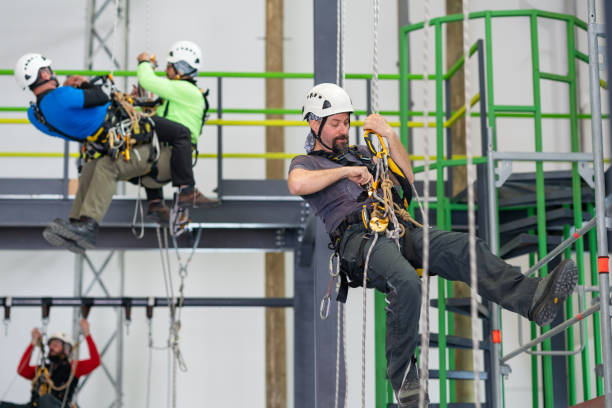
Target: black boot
83, 232
552, 292
408, 394
57, 240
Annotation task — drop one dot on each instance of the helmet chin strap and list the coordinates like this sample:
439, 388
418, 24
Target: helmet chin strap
317, 135
52, 78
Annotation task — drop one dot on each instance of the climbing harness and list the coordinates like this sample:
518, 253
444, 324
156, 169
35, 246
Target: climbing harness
42, 383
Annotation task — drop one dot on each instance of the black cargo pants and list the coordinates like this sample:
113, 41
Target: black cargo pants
391, 273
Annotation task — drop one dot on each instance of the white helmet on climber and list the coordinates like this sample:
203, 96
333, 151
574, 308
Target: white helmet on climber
186, 57
26, 69
325, 100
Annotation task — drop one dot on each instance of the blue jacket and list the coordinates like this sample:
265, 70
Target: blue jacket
76, 112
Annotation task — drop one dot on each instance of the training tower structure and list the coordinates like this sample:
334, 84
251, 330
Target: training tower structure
262, 215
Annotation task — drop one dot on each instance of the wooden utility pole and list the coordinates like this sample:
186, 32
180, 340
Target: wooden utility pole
464, 390
276, 348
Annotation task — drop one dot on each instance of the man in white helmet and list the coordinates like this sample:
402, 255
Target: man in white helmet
57, 368
82, 112
185, 106
333, 178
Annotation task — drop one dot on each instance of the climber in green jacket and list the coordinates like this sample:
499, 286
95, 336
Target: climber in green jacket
184, 104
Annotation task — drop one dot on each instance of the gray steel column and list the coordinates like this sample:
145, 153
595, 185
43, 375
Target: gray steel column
78, 292
325, 330
602, 237
403, 18
325, 32
325, 59
304, 316
496, 380
120, 322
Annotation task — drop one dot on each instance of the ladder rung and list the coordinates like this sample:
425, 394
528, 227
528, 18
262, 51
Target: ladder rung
542, 156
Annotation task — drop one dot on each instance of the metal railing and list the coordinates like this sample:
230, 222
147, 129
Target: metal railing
492, 111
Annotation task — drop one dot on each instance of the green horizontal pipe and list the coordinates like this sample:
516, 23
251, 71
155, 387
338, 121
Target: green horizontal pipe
286, 75
554, 77
513, 108
496, 13
359, 112
13, 108
582, 56
449, 163
457, 65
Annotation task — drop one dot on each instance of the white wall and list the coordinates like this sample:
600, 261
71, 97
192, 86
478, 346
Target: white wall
225, 348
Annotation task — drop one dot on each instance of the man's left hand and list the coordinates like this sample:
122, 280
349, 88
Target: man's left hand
378, 124
85, 327
144, 56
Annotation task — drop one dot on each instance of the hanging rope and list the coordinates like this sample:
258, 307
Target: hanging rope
325, 302
114, 35
471, 178
424, 323
148, 25
138, 213
374, 83
175, 360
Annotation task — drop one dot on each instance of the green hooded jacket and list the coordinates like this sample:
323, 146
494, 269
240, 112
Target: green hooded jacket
182, 100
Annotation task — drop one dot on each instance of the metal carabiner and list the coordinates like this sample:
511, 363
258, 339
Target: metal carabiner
324, 308
370, 143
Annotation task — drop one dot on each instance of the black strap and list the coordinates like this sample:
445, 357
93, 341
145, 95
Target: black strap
43, 121
206, 107
345, 283
353, 157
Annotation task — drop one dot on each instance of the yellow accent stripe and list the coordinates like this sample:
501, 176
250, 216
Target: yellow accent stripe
461, 111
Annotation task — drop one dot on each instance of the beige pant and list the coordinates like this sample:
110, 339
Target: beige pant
98, 180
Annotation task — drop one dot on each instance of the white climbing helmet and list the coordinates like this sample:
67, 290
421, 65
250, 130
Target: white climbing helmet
325, 100
26, 69
185, 52
63, 337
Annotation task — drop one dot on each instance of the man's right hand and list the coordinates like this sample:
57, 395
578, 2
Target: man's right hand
75, 81
36, 336
359, 175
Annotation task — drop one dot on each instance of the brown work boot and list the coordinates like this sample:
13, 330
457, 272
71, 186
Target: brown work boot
158, 211
191, 197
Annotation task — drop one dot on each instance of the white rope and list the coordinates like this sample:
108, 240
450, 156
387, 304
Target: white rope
340, 36
346, 383
114, 35
338, 328
363, 322
9, 387
471, 177
148, 25
374, 83
424, 323
149, 363
138, 209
